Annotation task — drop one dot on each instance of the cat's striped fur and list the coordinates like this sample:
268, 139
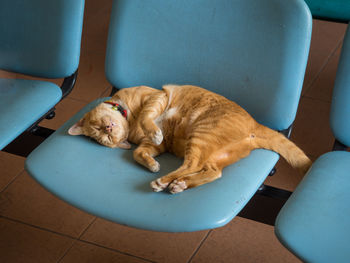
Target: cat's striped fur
206, 129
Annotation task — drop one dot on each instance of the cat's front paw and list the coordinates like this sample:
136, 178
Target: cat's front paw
177, 186
157, 137
154, 167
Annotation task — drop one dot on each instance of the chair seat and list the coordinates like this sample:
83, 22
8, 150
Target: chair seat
314, 223
109, 183
22, 103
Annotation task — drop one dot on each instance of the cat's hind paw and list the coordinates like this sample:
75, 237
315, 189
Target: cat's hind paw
177, 186
158, 186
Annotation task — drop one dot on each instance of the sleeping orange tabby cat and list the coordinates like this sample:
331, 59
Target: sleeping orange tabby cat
206, 129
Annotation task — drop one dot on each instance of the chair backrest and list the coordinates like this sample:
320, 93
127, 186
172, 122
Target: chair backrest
41, 37
251, 51
340, 109
338, 10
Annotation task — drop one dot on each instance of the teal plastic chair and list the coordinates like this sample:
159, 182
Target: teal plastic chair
251, 51
42, 39
336, 10
314, 223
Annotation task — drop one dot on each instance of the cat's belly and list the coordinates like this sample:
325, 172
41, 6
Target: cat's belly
174, 130
178, 147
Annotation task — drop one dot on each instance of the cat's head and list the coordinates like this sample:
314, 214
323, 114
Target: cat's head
104, 124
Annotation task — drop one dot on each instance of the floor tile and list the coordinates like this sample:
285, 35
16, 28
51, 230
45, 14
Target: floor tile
285, 177
243, 240
311, 130
156, 246
10, 166
322, 87
91, 81
22, 243
107, 92
86, 253
326, 36
96, 22
66, 109
26, 201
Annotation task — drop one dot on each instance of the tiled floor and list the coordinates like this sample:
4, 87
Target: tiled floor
37, 227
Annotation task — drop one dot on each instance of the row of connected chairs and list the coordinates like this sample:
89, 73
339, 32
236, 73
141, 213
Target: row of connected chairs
219, 45
253, 52
314, 223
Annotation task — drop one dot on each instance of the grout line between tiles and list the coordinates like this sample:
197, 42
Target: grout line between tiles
37, 227
84, 231
200, 245
76, 239
316, 99
13, 179
312, 82
115, 250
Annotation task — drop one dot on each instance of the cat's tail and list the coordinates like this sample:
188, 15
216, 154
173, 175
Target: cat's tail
266, 138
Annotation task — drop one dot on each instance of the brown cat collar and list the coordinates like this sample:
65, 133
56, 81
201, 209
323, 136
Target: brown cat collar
117, 107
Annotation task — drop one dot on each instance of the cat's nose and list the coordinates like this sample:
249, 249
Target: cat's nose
109, 128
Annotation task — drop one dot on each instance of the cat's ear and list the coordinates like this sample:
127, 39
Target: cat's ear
124, 145
77, 129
